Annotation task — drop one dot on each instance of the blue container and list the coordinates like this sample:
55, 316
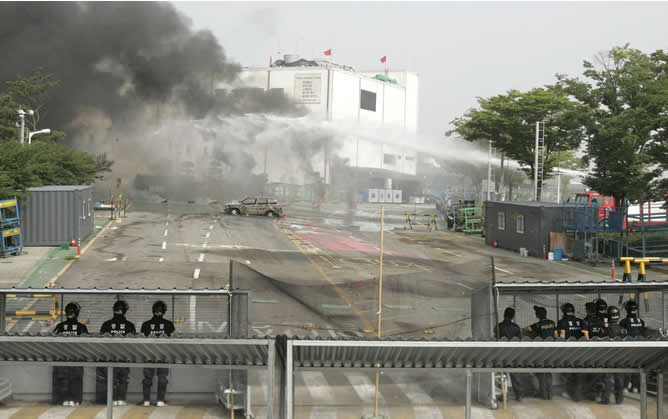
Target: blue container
558, 253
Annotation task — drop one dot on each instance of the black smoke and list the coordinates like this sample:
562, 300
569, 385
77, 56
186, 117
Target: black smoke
118, 58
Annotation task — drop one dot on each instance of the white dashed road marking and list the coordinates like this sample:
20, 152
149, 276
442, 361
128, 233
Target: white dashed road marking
161, 260
201, 257
207, 235
465, 286
111, 260
164, 245
196, 273
204, 246
210, 227
165, 233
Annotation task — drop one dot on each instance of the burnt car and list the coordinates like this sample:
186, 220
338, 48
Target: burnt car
254, 206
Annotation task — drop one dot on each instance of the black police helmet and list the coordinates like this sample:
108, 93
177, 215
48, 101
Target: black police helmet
160, 307
541, 312
601, 306
590, 308
568, 308
631, 307
509, 313
121, 306
613, 313
72, 309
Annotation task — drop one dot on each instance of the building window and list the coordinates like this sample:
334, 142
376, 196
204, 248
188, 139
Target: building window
502, 221
520, 224
368, 100
389, 159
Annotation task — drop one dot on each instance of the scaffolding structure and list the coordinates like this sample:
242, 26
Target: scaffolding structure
11, 241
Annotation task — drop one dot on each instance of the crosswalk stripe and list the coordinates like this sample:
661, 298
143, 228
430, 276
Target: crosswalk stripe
578, 411
522, 411
56, 412
191, 413
166, 412
119, 411
480, 413
85, 412
323, 413
214, 413
427, 412
363, 386
30, 412
316, 385
628, 411
7, 413
415, 393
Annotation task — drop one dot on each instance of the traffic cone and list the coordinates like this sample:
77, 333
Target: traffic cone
79, 246
72, 243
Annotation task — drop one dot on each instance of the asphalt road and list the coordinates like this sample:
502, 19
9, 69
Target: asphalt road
322, 272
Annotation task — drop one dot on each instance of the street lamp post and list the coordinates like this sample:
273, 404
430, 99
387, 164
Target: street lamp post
22, 122
42, 131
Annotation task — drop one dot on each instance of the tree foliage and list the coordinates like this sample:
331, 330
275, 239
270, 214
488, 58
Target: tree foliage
509, 121
33, 93
624, 96
44, 162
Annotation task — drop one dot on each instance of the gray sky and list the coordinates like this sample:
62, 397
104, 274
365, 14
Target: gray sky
459, 50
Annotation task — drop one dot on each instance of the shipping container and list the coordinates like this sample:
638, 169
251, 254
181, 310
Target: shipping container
522, 224
54, 215
373, 195
396, 196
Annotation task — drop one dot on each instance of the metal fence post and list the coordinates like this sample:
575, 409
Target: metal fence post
270, 378
469, 376
659, 394
110, 392
3, 311
289, 382
643, 395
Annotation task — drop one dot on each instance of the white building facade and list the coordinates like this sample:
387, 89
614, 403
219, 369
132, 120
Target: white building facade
386, 100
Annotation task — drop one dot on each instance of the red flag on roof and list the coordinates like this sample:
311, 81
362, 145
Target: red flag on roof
328, 52
382, 60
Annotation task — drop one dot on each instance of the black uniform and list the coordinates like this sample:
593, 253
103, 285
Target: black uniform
593, 385
522, 385
68, 381
635, 327
572, 326
116, 326
614, 381
595, 326
545, 329
154, 328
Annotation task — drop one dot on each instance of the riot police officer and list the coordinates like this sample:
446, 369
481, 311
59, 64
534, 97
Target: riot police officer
570, 327
602, 311
635, 327
522, 386
614, 381
118, 326
543, 328
68, 381
156, 327
595, 328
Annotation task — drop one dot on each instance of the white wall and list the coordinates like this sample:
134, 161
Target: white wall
396, 108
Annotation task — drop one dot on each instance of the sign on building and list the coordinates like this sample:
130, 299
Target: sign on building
307, 87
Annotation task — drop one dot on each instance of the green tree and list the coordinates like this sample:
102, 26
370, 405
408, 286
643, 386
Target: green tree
624, 97
33, 92
44, 162
509, 121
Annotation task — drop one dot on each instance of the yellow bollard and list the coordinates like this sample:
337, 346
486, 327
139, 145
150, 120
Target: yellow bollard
642, 274
627, 269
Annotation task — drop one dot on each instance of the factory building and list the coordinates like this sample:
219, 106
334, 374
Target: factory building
383, 100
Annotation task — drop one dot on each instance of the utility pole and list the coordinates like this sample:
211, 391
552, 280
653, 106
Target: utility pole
22, 124
489, 173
